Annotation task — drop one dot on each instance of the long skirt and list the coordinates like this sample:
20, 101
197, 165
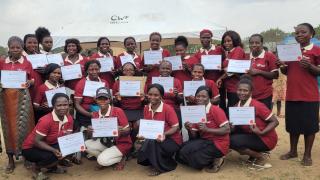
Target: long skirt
198, 154
158, 155
17, 118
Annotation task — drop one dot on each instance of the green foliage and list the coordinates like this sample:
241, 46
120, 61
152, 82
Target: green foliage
273, 35
3, 51
317, 29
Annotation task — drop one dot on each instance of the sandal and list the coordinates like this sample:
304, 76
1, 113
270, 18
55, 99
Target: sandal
9, 169
216, 166
154, 172
40, 176
65, 162
120, 165
306, 162
76, 161
288, 155
57, 170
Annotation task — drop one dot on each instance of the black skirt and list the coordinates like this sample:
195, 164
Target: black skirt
158, 155
198, 153
302, 117
133, 115
41, 157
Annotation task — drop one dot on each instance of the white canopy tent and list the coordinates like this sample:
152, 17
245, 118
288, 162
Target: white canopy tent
118, 19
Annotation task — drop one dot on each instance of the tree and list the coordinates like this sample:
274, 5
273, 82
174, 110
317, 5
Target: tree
3, 51
317, 29
273, 35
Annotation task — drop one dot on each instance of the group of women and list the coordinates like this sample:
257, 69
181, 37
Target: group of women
31, 128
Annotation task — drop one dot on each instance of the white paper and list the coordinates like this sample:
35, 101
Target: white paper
242, 115
129, 88
151, 129
51, 93
71, 143
211, 62
166, 82
90, 88
289, 52
105, 127
106, 64
152, 57
37, 60
13, 79
71, 72
55, 58
193, 114
125, 59
190, 87
238, 66
175, 61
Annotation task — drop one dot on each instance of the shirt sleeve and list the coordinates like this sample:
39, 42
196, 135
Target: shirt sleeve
263, 112
219, 116
122, 118
272, 63
171, 117
78, 91
39, 97
43, 126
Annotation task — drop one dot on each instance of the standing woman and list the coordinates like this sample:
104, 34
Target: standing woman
302, 98
158, 154
263, 70
103, 46
15, 104
45, 40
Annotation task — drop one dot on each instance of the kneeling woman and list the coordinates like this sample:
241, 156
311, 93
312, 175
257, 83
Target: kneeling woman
254, 140
109, 151
208, 142
158, 154
41, 145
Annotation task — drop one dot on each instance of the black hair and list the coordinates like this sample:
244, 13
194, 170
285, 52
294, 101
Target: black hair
41, 33
50, 68
136, 71
26, 37
310, 27
127, 38
74, 41
58, 95
157, 86
246, 79
181, 40
235, 37
88, 63
205, 88
257, 35
100, 39
155, 33
199, 64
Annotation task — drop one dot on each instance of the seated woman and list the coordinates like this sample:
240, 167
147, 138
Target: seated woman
208, 142
158, 154
254, 140
108, 150
41, 145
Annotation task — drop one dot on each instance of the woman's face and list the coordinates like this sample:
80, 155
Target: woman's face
155, 42
47, 43
15, 50
93, 71
302, 34
165, 69
104, 46
72, 49
130, 45
228, 44
103, 102
32, 45
154, 96
180, 50
197, 73
244, 92
205, 39
55, 75
61, 106
128, 69
255, 44
202, 98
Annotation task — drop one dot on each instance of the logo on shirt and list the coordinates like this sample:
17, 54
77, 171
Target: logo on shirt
116, 19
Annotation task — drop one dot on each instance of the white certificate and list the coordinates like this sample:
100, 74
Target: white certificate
190, 87
152, 57
238, 66
242, 115
175, 61
13, 79
106, 64
289, 52
90, 88
51, 93
211, 62
37, 60
193, 114
151, 129
125, 59
129, 88
105, 127
55, 58
71, 72
166, 82
71, 143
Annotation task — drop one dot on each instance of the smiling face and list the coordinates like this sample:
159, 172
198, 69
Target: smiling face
228, 43
202, 98
154, 96
55, 75
155, 42
255, 44
103, 102
130, 45
104, 46
244, 92
180, 50
206, 40
197, 73
128, 69
32, 45
165, 69
72, 49
303, 34
15, 50
47, 43
61, 106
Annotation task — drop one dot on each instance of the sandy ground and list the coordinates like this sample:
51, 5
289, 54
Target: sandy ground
233, 168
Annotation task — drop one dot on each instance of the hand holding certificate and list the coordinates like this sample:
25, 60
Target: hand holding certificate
106, 64
175, 61
51, 93
289, 52
238, 66
91, 87
211, 62
242, 115
190, 87
105, 127
37, 60
130, 88
151, 129
13, 79
71, 143
152, 57
166, 82
71, 72
193, 114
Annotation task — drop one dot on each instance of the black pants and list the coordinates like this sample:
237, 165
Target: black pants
247, 141
267, 101
39, 156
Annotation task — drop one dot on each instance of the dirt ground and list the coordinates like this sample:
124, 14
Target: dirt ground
233, 168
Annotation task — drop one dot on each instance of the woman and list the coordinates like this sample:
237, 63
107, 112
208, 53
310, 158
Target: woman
53, 81
254, 140
44, 39
15, 104
302, 98
158, 154
41, 146
208, 142
263, 70
279, 93
103, 46
109, 151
